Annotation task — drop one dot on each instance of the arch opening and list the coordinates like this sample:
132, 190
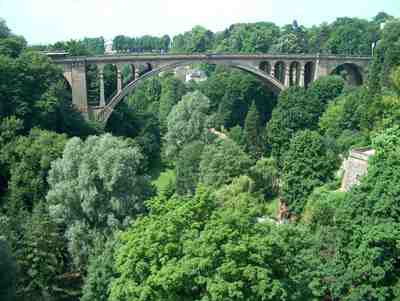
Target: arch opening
146, 71
110, 80
280, 71
93, 84
309, 73
266, 67
351, 73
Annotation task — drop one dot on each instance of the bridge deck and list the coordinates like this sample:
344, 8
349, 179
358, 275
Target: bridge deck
204, 57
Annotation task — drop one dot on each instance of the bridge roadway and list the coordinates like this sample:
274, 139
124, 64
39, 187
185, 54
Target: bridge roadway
277, 71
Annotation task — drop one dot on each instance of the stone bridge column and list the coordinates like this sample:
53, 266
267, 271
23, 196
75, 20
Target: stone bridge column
137, 73
287, 74
119, 78
272, 69
101, 77
78, 86
302, 75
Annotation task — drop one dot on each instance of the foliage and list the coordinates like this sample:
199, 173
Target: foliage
307, 164
100, 271
187, 122
351, 112
12, 46
327, 88
221, 162
366, 265
41, 258
360, 31
231, 94
265, 175
29, 158
141, 44
190, 251
8, 269
296, 110
95, 187
199, 39
187, 168
253, 133
172, 91
387, 55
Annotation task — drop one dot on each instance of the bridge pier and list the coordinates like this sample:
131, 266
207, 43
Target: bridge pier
302, 75
286, 80
79, 87
101, 78
119, 78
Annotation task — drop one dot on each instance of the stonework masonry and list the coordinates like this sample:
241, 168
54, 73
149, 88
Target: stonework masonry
355, 166
277, 71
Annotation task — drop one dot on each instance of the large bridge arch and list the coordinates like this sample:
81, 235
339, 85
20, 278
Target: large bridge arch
351, 72
102, 114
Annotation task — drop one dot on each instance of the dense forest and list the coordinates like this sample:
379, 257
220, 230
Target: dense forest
177, 196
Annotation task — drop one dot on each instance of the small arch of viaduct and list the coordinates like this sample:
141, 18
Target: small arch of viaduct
278, 72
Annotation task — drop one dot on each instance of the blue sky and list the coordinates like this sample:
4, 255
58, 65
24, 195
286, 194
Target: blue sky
47, 21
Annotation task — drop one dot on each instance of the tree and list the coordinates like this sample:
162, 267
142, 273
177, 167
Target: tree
101, 271
172, 90
306, 165
350, 36
4, 30
12, 46
41, 258
296, 110
29, 159
366, 261
187, 168
327, 88
10, 128
221, 162
193, 249
94, 188
351, 112
253, 133
8, 270
265, 175
186, 122
199, 39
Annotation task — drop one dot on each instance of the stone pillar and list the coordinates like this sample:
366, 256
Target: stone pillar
286, 80
101, 78
78, 86
272, 69
137, 74
302, 75
119, 78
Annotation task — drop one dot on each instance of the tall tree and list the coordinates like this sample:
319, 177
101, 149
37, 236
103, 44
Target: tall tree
253, 133
94, 188
307, 164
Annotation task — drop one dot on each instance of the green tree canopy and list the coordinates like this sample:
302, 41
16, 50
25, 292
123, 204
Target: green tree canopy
192, 250
187, 122
222, 161
306, 165
96, 187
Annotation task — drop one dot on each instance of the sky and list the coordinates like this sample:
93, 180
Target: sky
48, 21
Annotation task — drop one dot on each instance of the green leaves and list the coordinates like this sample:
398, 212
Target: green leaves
306, 165
193, 250
95, 187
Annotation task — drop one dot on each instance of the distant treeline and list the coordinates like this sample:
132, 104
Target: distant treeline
347, 36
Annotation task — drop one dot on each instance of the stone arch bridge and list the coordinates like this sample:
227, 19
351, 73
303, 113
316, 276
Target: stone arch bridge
278, 72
